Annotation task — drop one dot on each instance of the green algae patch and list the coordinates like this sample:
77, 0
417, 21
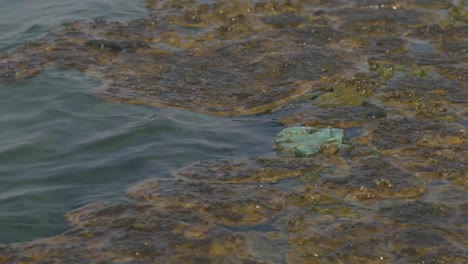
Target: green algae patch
388, 67
457, 15
348, 92
306, 141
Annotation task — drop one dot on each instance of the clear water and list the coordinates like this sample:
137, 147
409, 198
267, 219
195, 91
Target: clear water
61, 146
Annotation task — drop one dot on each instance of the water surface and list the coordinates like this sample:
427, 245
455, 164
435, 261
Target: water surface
62, 147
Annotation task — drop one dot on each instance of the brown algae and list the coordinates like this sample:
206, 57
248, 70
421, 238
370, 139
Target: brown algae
396, 70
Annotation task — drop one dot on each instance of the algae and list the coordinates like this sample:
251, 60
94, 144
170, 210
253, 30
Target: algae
395, 69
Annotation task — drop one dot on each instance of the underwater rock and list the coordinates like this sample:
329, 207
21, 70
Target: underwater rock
426, 245
398, 133
226, 66
223, 204
457, 49
348, 92
454, 73
421, 146
417, 212
103, 45
347, 241
377, 22
243, 57
135, 233
374, 178
391, 45
262, 169
7, 73
306, 141
364, 242
389, 66
395, 69
339, 117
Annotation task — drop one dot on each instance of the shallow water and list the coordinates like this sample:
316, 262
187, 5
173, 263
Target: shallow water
22, 21
395, 194
62, 147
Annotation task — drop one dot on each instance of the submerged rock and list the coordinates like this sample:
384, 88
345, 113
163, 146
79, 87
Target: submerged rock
135, 233
231, 63
262, 170
223, 204
339, 117
393, 69
348, 92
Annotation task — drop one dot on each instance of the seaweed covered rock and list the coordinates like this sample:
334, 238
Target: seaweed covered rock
249, 170
232, 62
135, 233
224, 204
339, 117
348, 92
395, 70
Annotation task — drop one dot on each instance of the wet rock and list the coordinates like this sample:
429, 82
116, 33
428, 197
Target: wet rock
308, 196
462, 219
425, 245
428, 4
372, 178
425, 146
284, 20
457, 49
381, 21
321, 205
396, 197
348, 92
103, 45
148, 76
390, 45
320, 36
457, 15
360, 241
417, 212
399, 133
454, 73
386, 4
223, 204
136, 233
232, 62
5, 254
340, 117
414, 97
348, 241
388, 66
249, 169
7, 73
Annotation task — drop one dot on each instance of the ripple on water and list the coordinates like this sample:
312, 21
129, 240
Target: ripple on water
62, 147
43, 14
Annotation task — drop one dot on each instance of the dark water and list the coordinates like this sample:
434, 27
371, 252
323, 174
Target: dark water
62, 147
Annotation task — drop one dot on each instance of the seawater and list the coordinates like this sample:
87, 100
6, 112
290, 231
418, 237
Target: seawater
62, 147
